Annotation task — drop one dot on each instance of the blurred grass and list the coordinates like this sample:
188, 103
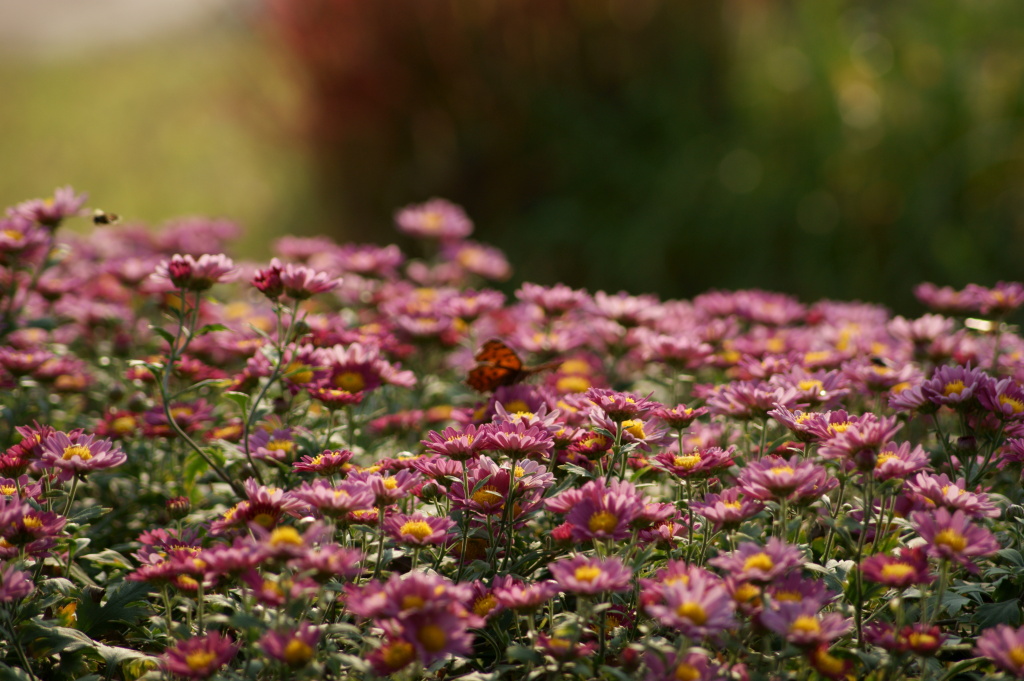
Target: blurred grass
190, 123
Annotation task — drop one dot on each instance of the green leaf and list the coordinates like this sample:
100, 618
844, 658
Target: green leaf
126, 603
163, 333
1012, 556
1004, 612
13, 674
88, 514
209, 328
241, 399
108, 557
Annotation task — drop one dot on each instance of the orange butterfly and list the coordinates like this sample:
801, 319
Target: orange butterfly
498, 365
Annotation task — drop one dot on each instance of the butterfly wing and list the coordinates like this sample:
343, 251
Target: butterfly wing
486, 378
498, 354
497, 365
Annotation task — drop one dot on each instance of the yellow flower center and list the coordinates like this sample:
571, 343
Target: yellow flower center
952, 539
603, 521
517, 407
484, 605
897, 570
416, 528
432, 637
805, 624
123, 425
687, 672
200, 660
758, 561
280, 446
461, 437
297, 653
791, 596
390, 483
781, 470
839, 427
687, 461
13, 234
31, 522
634, 427
285, 536
351, 381
412, 601
732, 504
953, 388
810, 385
572, 384
831, 665
8, 490
77, 451
487, 495
1017, 656
693, 612
587, 573
264, 520
920, 639
398, 654
518, 472
1016, 406
299, 372
883, 457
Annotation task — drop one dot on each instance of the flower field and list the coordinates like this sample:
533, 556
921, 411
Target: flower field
353, 463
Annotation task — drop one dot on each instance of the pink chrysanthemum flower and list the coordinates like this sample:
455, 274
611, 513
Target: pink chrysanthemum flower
268, 280
418, 529
301, 282
679, 416
1004, 645
774, 477
479, 259
516, 595
900, 572
294, 646
435, 219
199, 657
699, 606
943, 299
335, 501
728, 510
327, 562
619, 406
196, 274
698, 463
554, 300
586, 575
277, 445
747, 400
955, 386
82, 456
953, 536
516, 440
752, 562
388, 489
1003, 398
939, 490
604, 513
899, 461
327, 463
675, 666
998, 301
458, 445
51, 212
803, 625
14, 584
860, 443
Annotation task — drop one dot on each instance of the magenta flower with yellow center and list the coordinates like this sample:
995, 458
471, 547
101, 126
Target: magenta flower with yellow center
418, 529
295, 646
199, 657
590, 575
901, 572
951, 536
698, 606
1004, 645
752, 562
84, 455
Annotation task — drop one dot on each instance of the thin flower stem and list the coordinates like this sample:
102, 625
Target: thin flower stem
859, 577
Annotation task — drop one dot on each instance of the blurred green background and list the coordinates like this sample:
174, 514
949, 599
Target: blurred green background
823, 148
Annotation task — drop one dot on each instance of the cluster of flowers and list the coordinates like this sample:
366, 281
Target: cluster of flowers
739, 486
